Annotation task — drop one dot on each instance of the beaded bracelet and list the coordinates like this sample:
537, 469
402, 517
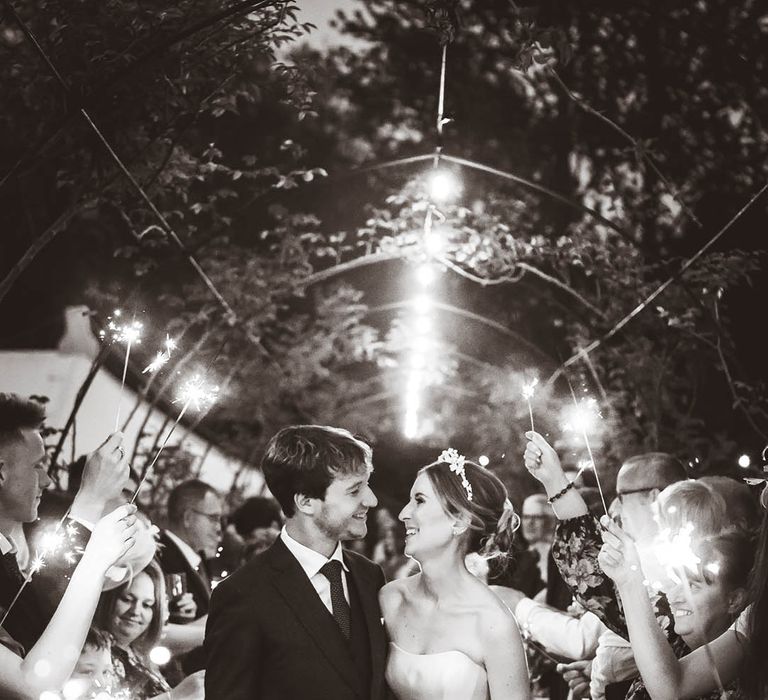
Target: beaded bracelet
560, 493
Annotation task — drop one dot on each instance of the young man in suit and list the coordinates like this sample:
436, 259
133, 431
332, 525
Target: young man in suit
301, 619
23, 479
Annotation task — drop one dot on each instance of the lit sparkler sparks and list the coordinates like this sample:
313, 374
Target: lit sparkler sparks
675, 551
529, 389
581, 418
130, 334
583, 465
50, 543
194, 392
162, 356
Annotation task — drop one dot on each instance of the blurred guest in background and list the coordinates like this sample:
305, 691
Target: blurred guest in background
195, 512
257, 522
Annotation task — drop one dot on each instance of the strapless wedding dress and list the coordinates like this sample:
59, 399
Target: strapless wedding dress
448, 675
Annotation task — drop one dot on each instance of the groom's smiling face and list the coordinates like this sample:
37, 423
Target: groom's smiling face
343, 513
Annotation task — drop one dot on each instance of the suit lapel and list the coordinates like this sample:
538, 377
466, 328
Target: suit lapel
369, 601
292, 584
195, 582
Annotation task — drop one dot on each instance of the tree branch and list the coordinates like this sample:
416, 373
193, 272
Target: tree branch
41, 241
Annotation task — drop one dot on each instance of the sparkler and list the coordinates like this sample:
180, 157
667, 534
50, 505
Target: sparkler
582, 466
130, 334
49, 543
529, 389
674, 550
162, 356
582, 419
195, 393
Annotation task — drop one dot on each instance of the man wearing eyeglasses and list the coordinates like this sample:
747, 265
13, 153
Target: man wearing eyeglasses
192, 537
640, 480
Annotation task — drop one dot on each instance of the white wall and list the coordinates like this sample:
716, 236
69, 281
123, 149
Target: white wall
58, 376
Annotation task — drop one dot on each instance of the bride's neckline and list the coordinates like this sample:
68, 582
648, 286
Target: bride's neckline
440, 653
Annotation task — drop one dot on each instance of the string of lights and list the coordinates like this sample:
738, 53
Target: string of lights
582, 352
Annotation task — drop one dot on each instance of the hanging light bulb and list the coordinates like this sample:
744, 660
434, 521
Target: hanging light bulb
443, 185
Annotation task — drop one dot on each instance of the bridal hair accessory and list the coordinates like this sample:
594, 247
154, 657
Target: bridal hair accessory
455, 463
509, 514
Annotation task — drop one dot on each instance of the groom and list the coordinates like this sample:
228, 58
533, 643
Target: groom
301, 621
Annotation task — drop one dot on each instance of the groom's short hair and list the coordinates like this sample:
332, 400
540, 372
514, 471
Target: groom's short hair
305, 459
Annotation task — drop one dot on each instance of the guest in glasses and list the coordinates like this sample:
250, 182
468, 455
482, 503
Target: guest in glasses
577, 538
537, 524
191, 538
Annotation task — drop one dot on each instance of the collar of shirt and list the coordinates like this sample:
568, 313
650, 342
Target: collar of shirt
192, 557
6, 545
310, 560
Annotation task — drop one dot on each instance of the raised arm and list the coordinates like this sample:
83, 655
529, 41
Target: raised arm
577, 538
542, 462
59, 647
665, 676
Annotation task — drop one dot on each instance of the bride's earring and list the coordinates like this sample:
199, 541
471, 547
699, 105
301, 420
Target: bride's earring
457, 530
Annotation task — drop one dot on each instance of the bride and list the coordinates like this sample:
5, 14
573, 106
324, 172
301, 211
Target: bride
451, 637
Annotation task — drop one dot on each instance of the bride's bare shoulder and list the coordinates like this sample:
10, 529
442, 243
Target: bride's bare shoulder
394, 593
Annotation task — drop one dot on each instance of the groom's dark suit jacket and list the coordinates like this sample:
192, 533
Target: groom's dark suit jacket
269, 636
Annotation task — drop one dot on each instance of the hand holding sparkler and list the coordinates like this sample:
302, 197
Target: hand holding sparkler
104, 477
618, 556
576, 674
542, 460
113, 536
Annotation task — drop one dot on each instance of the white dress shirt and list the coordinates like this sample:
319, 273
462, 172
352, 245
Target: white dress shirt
6, 545
9, 544
613, 662
312, 561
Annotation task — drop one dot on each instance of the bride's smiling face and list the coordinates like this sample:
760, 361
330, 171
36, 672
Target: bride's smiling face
428, 528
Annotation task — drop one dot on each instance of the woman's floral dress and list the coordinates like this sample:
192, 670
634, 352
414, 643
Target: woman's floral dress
137, 677
575, 549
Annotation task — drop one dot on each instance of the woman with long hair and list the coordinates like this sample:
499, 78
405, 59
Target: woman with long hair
134, 615
451, 637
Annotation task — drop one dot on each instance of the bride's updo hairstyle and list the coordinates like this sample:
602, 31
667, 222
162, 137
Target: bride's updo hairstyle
469, 492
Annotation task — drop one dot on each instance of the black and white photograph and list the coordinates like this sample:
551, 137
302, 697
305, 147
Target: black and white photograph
383, 350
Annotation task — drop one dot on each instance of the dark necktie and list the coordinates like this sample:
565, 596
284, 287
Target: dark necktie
202, 570
332, 571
